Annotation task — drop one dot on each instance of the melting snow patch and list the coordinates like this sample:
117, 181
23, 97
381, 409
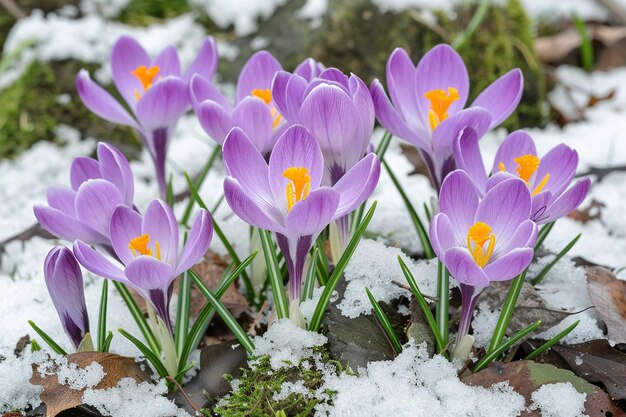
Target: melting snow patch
559, 400
16, 392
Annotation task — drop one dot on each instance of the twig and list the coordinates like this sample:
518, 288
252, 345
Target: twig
406, 287
257, 319
191, 404
13, 9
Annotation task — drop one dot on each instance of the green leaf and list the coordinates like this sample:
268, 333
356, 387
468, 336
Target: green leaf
145, 351
586, 46
169, 196
481, 12
198, 184
102, 315
34, 346
322, 304
49, 341
182, 312
135, 311
228, 318
556, 339
493, 354
558, 257
507, 310
384, 322
275, 276
107, 341
322, 261
309, 281
419, 226
442, 309
421, 301
543, 234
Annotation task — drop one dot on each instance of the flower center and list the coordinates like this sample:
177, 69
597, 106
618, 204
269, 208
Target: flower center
266, 96
299, 187
440, 101
145, 76
477, 236
527, 165
139, 246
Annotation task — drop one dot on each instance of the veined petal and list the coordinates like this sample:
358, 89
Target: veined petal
202, 89
524, 237
160, 224
149, 273
215, 120
309, 69
468, 158
253, 116
163, 104
257, 74
560, 164
63, 199
464, 269
126, 56
357, 185
250, 211
458, 199
125, 225
450, 129
205, 63
97, 263
510, 265
83, 168
311, 215
100, 102
197, 243
115, 168
502, 96
168, 62
442, 236
515, 145
288, 93
95, 202
567, 202
401, 84
66, 227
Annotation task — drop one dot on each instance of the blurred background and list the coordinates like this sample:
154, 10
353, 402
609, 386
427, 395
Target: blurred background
44, 43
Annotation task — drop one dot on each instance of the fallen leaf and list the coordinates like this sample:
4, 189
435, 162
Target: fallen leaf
597, 361
412, 154
526, 377
608, 295
59, 397
592, 212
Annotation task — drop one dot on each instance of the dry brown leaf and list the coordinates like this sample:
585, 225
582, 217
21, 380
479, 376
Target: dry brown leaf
411, 153
608, 295
591, 212
58, 397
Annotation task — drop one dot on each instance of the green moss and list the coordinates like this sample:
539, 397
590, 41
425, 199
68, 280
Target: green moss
44, 98
257, 386
146, 12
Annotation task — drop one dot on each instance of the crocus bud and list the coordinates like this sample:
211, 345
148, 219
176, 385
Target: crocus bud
65, 286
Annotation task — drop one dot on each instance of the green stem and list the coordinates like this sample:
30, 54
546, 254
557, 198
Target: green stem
477, 19
135, 311
493, 354
556, 339
443, 303
507, 310
102, 316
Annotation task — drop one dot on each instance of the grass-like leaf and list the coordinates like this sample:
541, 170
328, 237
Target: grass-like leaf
102, 316
182, 312
107, 342
586, 45
442, 309
309, 280
507, 310
421, 301
135, 311
320, 309
556, 339
198, 184
384, 322
419, 226
49, 341
169, 192
322, 261
492, 355
153, 357
275, 275
228, 318
558, 257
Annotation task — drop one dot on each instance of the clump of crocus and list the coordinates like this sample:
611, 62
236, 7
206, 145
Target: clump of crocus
482, 240
254, 110
287, 197
339, 112
548, 178
428, 100
97, 188
65, 286
155, 91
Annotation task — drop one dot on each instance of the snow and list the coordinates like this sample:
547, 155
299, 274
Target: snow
15, 390
286, 344
559, 400
78, 378
130, 399
242, 14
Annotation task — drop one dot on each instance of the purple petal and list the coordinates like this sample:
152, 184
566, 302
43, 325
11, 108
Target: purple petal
560, 163
215, 120
523, 237
540, 203
401, 84
515, 145
126, 56
63, 199
468, 158
100, 102
502, 96
97, 263
168, 63
442, 236
450, 129
163, 104
357, 185
295, 148
149, 273
257, 74
499, 177
311, 215
504, 208
205, 63
309, 69
197, 242
160, 224
510, 265
66, 227
288, 93
567, 202
253, 116
125, 225
95, 202
463, 268
201, 89
115, 168
83, 169
458, 199
336, 76
248, 210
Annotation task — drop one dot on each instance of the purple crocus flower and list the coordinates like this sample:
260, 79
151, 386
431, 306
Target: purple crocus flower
148, 249
482, 240
84, 210
547, 178
254, 110
155, 91
286, 195
427, 103
65, 286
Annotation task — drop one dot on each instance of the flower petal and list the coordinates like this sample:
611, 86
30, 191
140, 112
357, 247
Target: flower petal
201, 89
401, 85
450, 129
515, 145
63, 199
205, 63
357, 185
502, 96
468, 158
560, 163
442, 236
311, 215
163, 104
463, 268
309, 69
66, 227
160, 224
125, 225
100, 102
126, 56
197, 243
458, 199
83, 168
95, 202
510, 265
149, 273
253, 116
567, 202
248, 210
288, 94
215, 120
168, 62
257, 74
115, 168
97, 263
523, 237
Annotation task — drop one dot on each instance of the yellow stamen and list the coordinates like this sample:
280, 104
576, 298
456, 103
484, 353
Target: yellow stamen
139, 246
277, 117
440, 101
145, 76
477, 235
265, 95
298, 188
527, 165
501, 167
542, 184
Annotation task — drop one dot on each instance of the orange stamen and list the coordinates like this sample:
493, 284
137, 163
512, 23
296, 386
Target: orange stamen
298, 189
477, 235
440, 101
